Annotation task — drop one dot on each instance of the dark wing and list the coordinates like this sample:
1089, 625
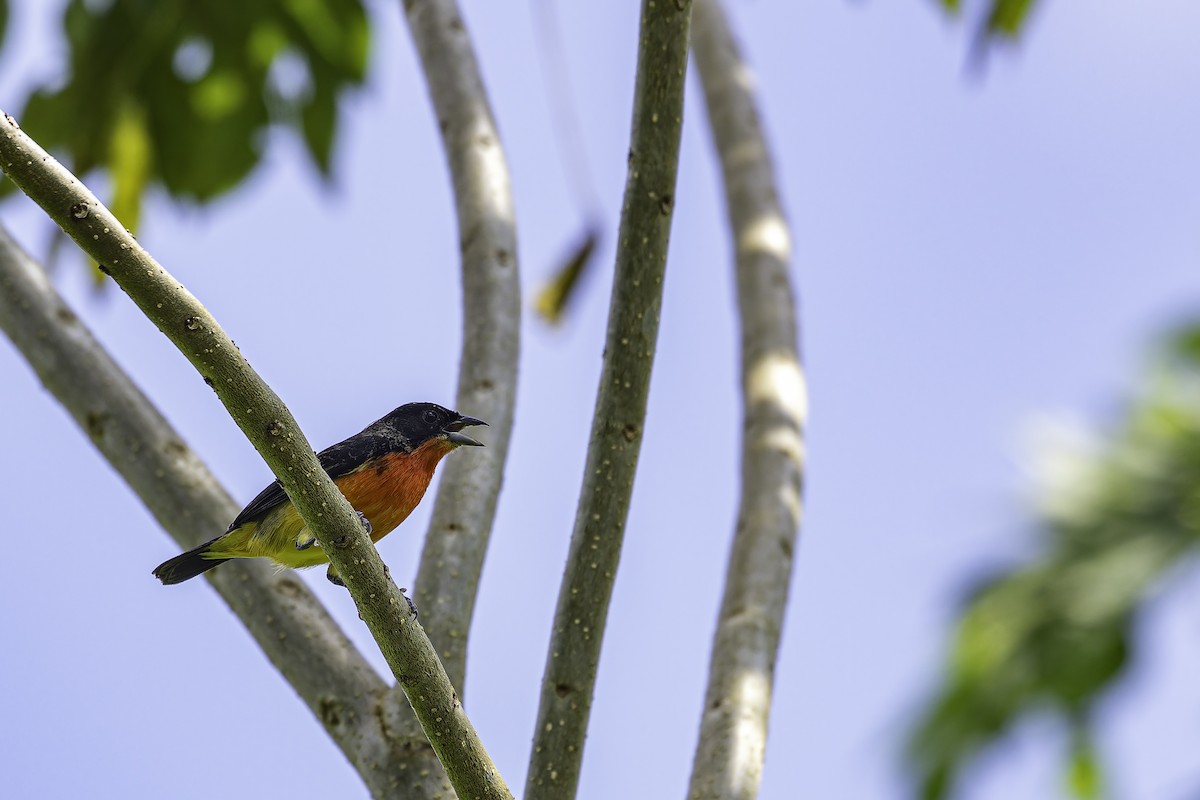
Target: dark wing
338, 460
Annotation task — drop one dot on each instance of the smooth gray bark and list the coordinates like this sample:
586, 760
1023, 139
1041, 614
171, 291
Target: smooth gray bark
447, 579
733, 733
569, 680
452, 559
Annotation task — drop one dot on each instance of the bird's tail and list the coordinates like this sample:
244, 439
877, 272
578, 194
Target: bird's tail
188, 565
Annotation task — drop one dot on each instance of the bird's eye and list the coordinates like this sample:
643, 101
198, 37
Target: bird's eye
431, 416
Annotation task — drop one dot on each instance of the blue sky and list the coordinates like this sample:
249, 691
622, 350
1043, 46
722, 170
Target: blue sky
973, 253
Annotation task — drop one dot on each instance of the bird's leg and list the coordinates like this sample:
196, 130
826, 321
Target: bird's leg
366, 523
336, 579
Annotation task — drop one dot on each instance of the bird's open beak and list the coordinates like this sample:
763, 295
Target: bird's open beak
453, 431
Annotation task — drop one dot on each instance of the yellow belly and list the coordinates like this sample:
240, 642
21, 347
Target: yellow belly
385, 491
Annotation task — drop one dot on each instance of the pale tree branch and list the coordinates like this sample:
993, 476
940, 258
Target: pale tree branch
569, 680
270, 427
284, 617
733, 732
457, 541
447, 580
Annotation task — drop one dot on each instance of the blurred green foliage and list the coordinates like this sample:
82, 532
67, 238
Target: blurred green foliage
1052, 636
1005, 19
1008, 16
551, 301
181, 93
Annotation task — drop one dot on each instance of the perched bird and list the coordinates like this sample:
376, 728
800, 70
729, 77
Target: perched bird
383, 471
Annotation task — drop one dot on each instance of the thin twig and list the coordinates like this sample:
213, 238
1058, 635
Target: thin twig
270, 427
733, 732
560, 102
583, 600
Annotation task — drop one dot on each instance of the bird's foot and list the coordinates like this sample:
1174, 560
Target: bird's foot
411, 605
366, 523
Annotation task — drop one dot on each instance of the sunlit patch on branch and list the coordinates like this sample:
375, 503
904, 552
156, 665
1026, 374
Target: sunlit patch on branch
776, 379
749, 742
767, 235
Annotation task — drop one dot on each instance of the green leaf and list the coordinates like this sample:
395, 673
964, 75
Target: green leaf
319, 115
552, 301
130, 163
1084, 776
1186, 344
1005, 18
1008, 17
188, 99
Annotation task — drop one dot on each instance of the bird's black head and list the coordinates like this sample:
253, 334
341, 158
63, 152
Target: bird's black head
417, 423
